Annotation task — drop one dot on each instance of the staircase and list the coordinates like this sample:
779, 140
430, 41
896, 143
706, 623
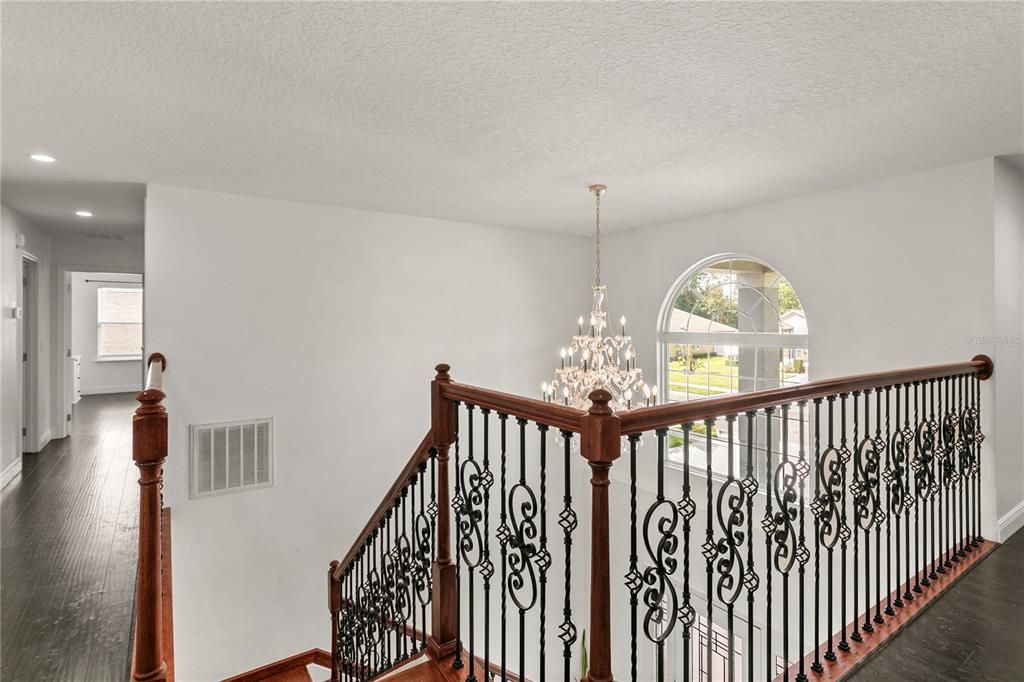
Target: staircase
805, 525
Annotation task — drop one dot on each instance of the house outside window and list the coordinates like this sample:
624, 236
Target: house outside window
732, 324
119, 323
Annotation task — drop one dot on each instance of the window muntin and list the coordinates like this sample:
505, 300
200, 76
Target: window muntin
119, 322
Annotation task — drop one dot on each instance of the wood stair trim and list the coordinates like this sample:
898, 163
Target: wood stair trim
286, 669
847, 663
424, 668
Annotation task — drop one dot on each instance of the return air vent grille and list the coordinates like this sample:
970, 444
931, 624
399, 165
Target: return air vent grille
232, 456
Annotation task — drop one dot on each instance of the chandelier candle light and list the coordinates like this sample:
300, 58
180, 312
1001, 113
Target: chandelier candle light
594, 360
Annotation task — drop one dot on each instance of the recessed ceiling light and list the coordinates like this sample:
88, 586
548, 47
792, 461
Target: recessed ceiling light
42, 158
83, 214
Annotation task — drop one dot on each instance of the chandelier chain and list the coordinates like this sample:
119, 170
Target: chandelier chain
597, 238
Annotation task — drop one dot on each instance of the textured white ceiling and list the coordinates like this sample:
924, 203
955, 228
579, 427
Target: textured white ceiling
504, 113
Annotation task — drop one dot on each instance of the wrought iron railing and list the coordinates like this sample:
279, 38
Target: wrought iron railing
797, 525
874, 494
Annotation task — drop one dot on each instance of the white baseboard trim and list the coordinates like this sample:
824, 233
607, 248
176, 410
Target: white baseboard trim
1011, 522
101, 390
44, 438
12, 471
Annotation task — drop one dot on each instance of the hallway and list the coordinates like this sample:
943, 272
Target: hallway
69, 551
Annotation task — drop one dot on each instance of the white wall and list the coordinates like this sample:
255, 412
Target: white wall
99, 376
37, 244
331, 321
894, 273
1006, 346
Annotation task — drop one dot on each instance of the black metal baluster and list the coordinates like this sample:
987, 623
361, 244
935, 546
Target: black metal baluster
378, 594
403, 571
970, 453
363, 616
831, 475
961, 462
457, 503
730, 565
948, 470
844, 528
634, 581
786, 477
979, 437
414, 570
425, 552
660, 543
568, 521
876, 492
857, 491
920, 490
387, 580
750, 580
470, 545
543, 557
803, 555
893, 478
487, 567
816, 666
504, 535
768, 525
933, 487
522, 583
909, 495
710, 549
407, 563
688, 508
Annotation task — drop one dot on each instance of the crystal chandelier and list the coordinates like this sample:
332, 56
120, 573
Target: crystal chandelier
594, 360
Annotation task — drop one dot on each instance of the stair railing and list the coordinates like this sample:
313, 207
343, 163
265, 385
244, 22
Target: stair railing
817, 478
149, 450
851, 467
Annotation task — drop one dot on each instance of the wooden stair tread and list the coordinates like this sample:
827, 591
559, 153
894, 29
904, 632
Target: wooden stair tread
426, 669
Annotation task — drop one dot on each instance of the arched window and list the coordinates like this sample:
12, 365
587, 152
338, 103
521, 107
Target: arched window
731, 324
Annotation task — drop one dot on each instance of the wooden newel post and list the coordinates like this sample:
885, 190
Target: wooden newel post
600, 445
149, 450
443, 635
334, 604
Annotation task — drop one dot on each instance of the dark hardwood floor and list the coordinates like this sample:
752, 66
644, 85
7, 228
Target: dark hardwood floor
973, 632
69, 543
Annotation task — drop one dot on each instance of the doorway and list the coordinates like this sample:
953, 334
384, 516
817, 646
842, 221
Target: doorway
102, 330
28, 347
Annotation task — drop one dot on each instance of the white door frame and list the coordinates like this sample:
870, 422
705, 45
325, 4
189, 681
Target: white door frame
28, 346
62, 351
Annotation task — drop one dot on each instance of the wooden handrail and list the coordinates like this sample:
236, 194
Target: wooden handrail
420, 455
539, 411
673, 414
149, 450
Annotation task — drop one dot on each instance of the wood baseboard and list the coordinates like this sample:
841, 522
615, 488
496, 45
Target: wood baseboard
848, 661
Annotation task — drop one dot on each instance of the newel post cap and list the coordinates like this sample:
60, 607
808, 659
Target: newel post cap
442, 422
599, 399
602, 429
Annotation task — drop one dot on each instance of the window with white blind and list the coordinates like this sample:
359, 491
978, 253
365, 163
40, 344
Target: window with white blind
119, 320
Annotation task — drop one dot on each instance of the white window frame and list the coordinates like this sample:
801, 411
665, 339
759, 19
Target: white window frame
110, 357
745, 339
